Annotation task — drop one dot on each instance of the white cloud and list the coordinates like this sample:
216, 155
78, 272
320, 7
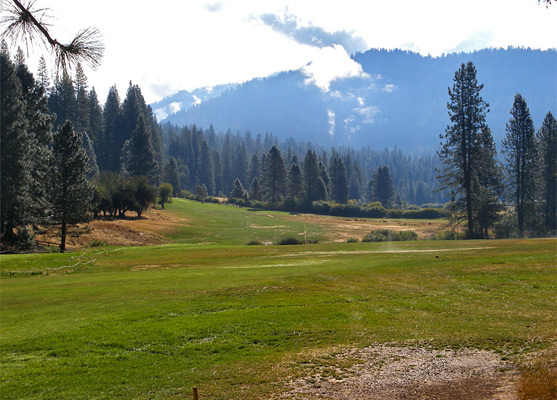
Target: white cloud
174, 107
389, 87
331, 115
368, 113
196, 101
192, 44
160, 113
330, 64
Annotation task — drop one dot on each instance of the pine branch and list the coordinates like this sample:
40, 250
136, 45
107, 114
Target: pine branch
21, 23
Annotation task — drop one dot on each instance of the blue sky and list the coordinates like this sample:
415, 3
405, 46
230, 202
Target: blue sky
171, 45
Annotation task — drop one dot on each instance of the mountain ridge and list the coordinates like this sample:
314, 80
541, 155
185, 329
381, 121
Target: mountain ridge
401, 100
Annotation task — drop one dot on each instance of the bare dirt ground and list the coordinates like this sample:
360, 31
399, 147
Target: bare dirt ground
384, 372
143, 231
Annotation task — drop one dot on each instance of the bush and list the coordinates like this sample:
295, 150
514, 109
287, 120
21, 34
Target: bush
423, 213
352, 240
387, 235
254, 242
257, 205
448, 235
25, 240
289, 240
507, 227
98, 243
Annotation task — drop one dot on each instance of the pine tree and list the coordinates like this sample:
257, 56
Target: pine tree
62, 100
71, 194
96, 131
356, 182
467, 111
206, 172
296, 189
487, 183
274, 176
382, 189
39, 125
172, 175
142, 159
110, 147
218, 172
15, 142
547, 139
241, 162
238, 191
311, 177
521, 155
87, 144
339, 184
227, 163
254, 169
42, 74
255, 190
82, 105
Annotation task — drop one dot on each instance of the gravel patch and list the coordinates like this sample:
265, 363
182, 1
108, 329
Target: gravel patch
388, 372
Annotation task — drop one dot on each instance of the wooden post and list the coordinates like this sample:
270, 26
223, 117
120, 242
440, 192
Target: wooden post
195, 397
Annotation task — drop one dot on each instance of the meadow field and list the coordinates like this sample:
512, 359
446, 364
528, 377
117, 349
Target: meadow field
327, 320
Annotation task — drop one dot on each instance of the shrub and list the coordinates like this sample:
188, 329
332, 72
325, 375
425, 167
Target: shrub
387, 235
25, 240
448, 235
98, 243
352, 240
507, 227
254, 242
290, 240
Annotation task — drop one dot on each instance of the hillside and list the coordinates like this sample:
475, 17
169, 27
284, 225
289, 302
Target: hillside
400, 102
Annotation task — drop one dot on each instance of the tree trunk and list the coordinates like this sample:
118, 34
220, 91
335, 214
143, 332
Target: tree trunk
63, 236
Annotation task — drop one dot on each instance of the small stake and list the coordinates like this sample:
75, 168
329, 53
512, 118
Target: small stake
195, 397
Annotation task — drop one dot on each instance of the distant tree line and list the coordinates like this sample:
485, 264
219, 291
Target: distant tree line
121, 159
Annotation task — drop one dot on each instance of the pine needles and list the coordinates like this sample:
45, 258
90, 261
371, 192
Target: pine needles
27, 23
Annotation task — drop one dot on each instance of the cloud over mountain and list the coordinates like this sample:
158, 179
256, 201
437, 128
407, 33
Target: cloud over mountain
289, 25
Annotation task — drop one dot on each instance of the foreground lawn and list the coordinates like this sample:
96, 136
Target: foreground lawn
152, 322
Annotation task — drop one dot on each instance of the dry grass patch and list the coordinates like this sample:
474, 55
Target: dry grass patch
338, 229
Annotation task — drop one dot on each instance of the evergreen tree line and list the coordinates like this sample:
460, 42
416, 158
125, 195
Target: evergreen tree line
127, 152
481, 186
203, 157
44, 174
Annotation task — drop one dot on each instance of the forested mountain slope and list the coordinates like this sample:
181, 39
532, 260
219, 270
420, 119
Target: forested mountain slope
401, 100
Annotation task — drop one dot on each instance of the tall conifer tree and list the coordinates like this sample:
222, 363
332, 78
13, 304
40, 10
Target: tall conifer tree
547, 139
339, 184
521, 155
71, 194
274, 176
467, 111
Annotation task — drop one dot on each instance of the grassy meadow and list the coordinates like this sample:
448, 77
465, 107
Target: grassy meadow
238, 321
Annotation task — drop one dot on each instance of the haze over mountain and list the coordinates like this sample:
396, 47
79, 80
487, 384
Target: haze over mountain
398, 99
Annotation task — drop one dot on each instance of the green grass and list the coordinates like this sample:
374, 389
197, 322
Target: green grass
152, 322
230, 224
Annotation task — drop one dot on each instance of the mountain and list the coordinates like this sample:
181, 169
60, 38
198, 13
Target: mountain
184, 100
401, 100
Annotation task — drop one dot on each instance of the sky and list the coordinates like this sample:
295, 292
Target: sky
170, 45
